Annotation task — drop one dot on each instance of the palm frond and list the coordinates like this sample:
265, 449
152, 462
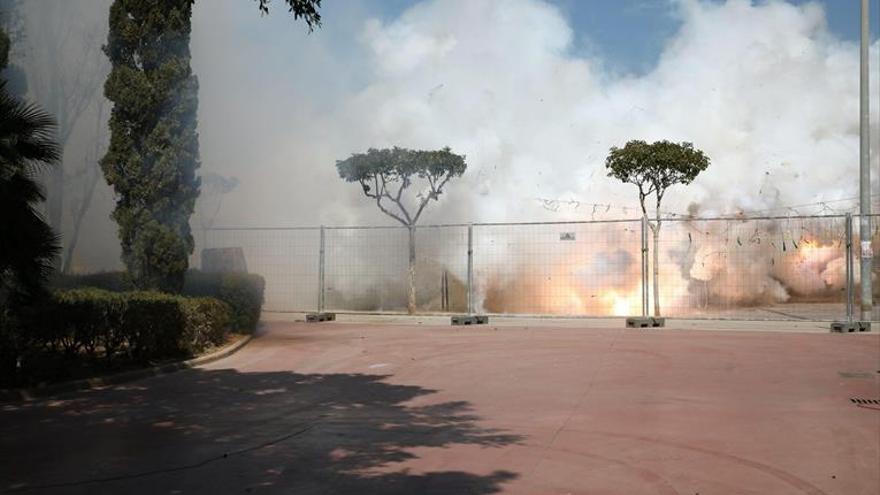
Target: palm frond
27, 134
28, 247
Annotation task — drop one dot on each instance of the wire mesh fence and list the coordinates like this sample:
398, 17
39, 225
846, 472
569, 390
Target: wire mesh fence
873, 248
756, 268
365, 269
582, 269
740, 268
286, 258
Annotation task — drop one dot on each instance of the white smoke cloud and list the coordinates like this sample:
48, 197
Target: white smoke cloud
766, 90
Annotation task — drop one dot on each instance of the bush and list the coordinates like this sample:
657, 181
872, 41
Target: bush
137, 326
18, 343
206, 322
9, 346
84, 320
243, 292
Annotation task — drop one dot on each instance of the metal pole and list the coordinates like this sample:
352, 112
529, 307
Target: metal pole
470, 272
644, 266
850, 292
865, 174
321, 274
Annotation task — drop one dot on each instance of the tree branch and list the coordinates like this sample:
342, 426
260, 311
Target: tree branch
404, 183
390, 214
380, 192
435, 192
366, 188
396, 200
657, 213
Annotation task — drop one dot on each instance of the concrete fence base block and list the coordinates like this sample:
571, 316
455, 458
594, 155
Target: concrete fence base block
645, 322
319, 317
850, 326
470, 320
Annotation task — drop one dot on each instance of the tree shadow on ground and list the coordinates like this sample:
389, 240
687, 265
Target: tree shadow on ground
222, 431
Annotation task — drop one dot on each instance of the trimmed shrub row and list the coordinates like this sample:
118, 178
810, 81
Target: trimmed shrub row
243, 292
133, 326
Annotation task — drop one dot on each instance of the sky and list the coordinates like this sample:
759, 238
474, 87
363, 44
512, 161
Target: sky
629, 34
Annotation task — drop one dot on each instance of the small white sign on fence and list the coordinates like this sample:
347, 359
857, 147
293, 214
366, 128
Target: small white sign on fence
867, 252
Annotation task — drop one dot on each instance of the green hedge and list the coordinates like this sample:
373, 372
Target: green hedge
134, 326
243, 292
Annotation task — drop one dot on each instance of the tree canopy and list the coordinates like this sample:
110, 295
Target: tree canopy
154, 149
305, 9
384, 175
655, 167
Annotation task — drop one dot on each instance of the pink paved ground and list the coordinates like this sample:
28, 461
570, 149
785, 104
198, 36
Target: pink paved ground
358, 408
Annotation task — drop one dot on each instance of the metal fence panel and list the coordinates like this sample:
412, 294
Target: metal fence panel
585, 269
771, 268
441, 269
857, 259
286, 258
366, 269
738, 268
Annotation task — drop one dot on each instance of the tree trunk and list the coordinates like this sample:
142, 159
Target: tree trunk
411, 301
77, 223
656, 232
89, 193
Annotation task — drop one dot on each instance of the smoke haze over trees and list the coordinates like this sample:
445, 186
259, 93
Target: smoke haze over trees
154, 150
534, 112
534, 115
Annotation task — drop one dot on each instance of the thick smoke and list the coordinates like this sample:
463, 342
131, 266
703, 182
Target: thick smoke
765, 89
58, 46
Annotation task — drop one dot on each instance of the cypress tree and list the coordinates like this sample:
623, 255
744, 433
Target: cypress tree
154, 152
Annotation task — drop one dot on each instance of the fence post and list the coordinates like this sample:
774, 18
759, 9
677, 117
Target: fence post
470, 270
850, 283
644, 266
321, 274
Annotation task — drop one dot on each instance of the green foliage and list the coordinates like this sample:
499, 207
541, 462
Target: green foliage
138, 326
307, 9
103, 330
10, 344
153, 154
11, 32
4, 49
206, 322
27, 244
380, 171
243, 292
655, 167
84, 319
